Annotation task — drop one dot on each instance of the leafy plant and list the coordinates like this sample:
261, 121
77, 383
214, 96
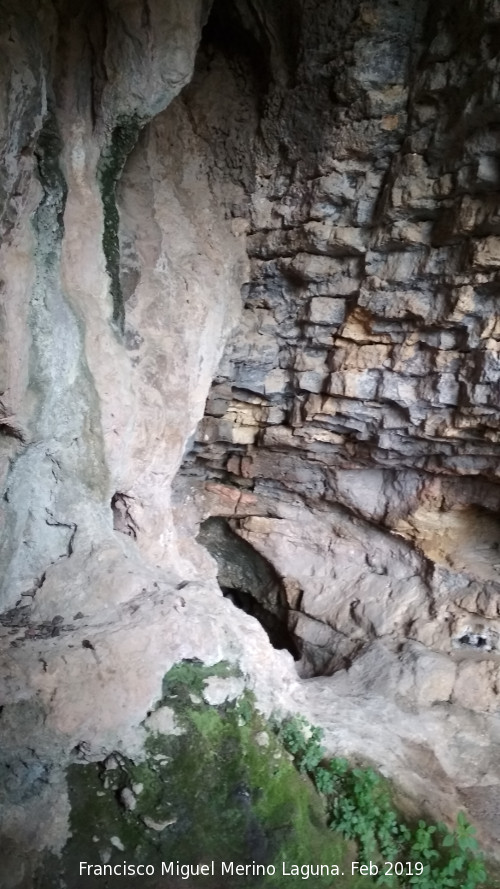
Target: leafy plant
360, 807
328, 778
362, 810
303, 741
452, 858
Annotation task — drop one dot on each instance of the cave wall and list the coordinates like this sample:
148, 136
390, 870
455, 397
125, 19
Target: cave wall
249, 271
351, 432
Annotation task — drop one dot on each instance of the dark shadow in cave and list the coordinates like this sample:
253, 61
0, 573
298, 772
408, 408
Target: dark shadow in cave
249, 581
279, 635
267, 38
475, 640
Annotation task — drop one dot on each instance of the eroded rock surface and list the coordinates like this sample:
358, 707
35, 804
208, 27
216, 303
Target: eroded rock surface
251, 258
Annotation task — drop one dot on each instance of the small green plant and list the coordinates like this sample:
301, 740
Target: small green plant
452, 858
360, 807
303, 741
244, 708
328, 777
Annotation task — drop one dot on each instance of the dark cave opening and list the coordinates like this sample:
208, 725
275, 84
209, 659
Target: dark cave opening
279, 635
266, 37
250, 582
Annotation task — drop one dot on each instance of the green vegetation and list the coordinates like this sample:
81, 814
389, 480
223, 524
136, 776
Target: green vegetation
360, 807
112, 161
220, 784
224, 789
48, 218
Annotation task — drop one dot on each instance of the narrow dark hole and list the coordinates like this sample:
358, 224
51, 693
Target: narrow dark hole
476, 641
249, 581
279, 634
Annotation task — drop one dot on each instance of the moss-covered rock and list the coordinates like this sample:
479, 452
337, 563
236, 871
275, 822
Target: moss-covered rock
122, 141
218, 788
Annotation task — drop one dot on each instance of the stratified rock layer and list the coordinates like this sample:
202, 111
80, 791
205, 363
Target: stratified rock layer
351, 433
338, 166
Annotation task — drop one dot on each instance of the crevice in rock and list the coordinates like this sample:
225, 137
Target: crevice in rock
123, 520
249, 581
279, 635
9, 429
71, 527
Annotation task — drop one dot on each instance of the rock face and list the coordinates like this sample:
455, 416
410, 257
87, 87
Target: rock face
351, 433
250, 268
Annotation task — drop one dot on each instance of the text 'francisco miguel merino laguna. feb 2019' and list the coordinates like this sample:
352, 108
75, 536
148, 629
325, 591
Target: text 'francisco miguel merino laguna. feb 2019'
231, 868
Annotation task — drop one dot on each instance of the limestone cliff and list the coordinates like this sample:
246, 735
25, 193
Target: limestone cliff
250, 259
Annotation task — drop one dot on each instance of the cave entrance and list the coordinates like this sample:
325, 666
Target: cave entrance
249, 581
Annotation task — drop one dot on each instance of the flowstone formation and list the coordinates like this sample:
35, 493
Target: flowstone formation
249, 275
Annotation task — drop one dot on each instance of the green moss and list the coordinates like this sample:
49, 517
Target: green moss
123, 140
49, 216
224, 790
188, 678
